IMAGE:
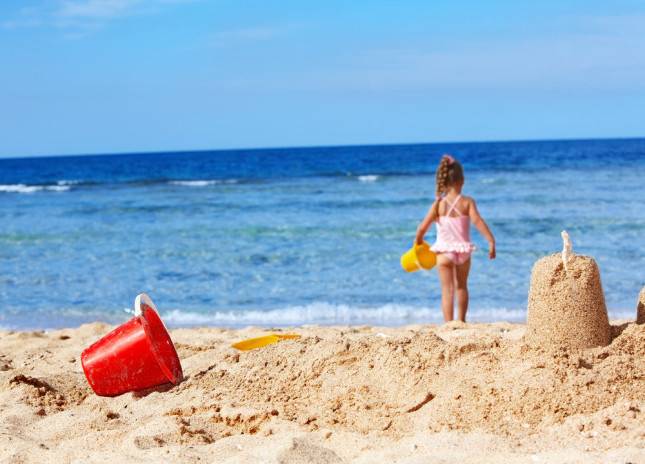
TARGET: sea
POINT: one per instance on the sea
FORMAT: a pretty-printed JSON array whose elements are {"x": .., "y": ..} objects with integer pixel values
[{"x": 292, "y": 236}]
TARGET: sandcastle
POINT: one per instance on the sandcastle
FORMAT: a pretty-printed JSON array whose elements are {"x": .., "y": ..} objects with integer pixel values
[
  {"x": 566, "y": 305},
  {"x": 640, "y": 307}
]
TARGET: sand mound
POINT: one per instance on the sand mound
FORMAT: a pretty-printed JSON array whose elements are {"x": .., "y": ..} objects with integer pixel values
[
  {"x": 640, "y": 307},
  {"x": 371, "y": 384},
  {"x": 567, "y": 308}
]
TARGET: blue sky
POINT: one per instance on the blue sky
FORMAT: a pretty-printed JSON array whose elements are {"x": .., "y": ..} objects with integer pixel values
[{"x": 103, "y": 76}]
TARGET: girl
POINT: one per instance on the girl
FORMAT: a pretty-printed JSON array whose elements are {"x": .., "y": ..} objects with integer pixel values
[{"x": 453, "y": 213}]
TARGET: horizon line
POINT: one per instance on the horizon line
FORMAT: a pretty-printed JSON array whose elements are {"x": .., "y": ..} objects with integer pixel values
[{"x": 305, "y": 147}]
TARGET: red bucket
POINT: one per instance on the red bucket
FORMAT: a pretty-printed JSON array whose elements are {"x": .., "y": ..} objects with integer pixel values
[{"x": 136, "y": 355}]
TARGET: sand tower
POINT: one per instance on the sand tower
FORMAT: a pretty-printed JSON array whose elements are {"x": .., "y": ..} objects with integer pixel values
[
  {"x": 566, "y": 304},
  {"x": 640, "y": 308}
]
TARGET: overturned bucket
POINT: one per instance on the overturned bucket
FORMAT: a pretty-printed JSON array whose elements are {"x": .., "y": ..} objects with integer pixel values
[{"x": 137, "y": 355}]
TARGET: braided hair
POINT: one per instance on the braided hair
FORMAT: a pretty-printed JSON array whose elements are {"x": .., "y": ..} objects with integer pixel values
[{"x": 449, "y": 172}]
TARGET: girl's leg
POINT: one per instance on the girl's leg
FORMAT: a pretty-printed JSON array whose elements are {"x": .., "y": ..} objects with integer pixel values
[
  {"x": 446, "y": 270},
  {"x": 461, "y": 280}
]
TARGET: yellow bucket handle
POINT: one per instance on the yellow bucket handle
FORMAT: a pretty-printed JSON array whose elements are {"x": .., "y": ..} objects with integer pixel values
[{"x": 415, "y": 245}]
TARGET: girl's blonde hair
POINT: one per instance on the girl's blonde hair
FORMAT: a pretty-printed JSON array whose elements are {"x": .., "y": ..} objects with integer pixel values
[{"x": 449, "y": 173}]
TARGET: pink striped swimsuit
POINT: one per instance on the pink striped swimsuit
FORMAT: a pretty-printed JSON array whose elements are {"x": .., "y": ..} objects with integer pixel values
[{"x": 453, "y": 235}]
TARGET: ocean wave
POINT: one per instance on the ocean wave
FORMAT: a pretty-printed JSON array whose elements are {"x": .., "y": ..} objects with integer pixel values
[
  {"x": 330, "y": 314},
  {"x": 368, "y": 178},
  {"x": 389, "y": 315},
  {"x": 63, "y": 185},
  {"x": 23, "y": 188},
  {"x": 202, "y": 183}
]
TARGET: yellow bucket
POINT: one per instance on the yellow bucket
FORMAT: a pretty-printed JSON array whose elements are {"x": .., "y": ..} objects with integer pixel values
[{"x": 418, "y": 257}]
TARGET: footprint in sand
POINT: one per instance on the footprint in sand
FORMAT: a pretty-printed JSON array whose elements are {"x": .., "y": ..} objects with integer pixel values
[{"x": 304, "y": 452}]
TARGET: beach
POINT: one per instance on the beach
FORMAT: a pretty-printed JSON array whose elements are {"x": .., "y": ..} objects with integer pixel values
[
  {"x": 233, "y": 245},
  {"x": 322, "y": 233},
  {"x": 456, "y": 392}
]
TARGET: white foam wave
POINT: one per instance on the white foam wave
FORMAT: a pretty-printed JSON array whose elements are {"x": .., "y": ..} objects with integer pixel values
[
  {"x": 202, "y": 183},
  {"x": 68, "y": 182},
  {"x": 316, "y": 313},
  {"x": 368, "y": 178},
  {"x": 19, "y": 188},
  {"x": 329, "y": 314},
  {"x": 23, "y": 188}
]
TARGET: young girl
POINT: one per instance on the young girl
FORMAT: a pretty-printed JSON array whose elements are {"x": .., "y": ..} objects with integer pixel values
[{"x": 453, "y": 213}]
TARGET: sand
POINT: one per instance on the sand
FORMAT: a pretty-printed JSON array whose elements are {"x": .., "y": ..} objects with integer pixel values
[
  {"x": 566, "y": 307},
  {"x": 468, "y": 393}
]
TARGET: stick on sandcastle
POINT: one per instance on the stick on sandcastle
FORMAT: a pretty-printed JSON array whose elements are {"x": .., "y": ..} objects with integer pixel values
[
  {"x": 640, "y": 307},
  {"x": 566, "y": 304}
]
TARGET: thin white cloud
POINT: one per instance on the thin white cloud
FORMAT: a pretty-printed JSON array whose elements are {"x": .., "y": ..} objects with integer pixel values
[
  {"x": 617, "y": 23},
  {"x": 21, "y": 23},
  {"x": 234, "y": 37},
  {"x": 95, "y": 9},
  {"x": 251, "y": 33},
  {"x": 26, "y": 17},
  {"x": 602, "y": 53},
  {"x": 80, "y": 16},
  {"x": 595, "y": 55}
]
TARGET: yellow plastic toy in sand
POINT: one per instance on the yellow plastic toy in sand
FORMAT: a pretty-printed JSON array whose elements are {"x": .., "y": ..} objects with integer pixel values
[
  {"x": 418, "y": 257},
  {"x": 259, "y": 342}
]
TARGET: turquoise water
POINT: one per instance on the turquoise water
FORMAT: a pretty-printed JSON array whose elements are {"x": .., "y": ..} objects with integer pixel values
[{"x": 294, "y": 236}]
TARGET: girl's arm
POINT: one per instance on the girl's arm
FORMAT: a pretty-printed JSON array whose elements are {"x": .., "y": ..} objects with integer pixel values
[
  {"x": 425, "y": 224},
  {"x": 482, "y": 227}
]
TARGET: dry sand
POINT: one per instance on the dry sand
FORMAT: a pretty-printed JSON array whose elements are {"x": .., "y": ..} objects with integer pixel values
[{"x": 420, "y": 394}]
